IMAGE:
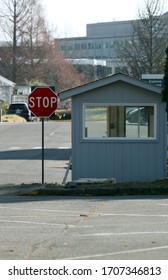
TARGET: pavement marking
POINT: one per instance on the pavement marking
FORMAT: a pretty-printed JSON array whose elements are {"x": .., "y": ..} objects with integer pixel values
[
  {"x": 163, "y": 204},
  {"x": 44, "y": 224},
  {"x": 41, "y": 210},
  {"x": 63, "y": 148},
  {"x": 14, "y": 148},
  {"x": 123, "y": 233},
  {"x": 133, "y": 215},
  {"x": 16, "y": 227},
  {"x": 37, "y": 148},
  {"x": 91, "y": 212},
  {"x": 22, "y": 148},
  {"x": 53, "y": 132},
  {"x": 119, "y": 253}
]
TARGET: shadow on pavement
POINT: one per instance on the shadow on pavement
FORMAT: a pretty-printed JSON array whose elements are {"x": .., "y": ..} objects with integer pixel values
[{"x": 35, "y": 154}]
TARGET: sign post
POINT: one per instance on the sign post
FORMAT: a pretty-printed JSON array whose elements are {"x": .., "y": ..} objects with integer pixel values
[
  {"x": 42, "y": 102},
  {"x": 42, "y": 154}
]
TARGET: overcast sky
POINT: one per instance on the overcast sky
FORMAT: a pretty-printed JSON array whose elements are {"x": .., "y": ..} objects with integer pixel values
[{"x": 71, "y": 16}]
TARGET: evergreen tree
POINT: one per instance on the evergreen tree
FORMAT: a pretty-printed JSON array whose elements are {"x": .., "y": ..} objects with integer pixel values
[{"x": 165, "y": 80}]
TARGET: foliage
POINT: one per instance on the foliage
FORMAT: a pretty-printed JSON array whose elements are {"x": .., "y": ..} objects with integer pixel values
[
  {"x": 3, "y": 107},
  {"x": 35, "y": 82},
  {"x": 165, "y": 79},
  {"x": 144, "y": 51},
  {"x": 12, "y": 118},
  {"x": 30, "y": 52}
]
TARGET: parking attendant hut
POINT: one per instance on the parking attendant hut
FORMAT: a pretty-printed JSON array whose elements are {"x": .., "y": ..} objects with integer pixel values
[{"x": 118, "y": 130}]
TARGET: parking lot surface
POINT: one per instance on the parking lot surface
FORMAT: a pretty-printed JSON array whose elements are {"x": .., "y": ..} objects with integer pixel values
[
  {"x": 21, "y": 153},
  {"x": 78, "y": 228}
]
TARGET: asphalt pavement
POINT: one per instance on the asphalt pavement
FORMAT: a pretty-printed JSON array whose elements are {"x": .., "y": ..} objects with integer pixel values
[
  {"x": 83, "y": 228},
  {"x": 21, "y": 152},
  {"x": 72, "y": 221}
]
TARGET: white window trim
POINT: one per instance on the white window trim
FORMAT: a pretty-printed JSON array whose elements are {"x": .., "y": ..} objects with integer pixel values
[{"x": 121, "y": 139}]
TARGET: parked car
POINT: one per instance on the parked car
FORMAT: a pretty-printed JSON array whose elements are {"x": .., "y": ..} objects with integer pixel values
[
  {"x": 21, "y": 109},
  {"x": 137, "y": 115}
]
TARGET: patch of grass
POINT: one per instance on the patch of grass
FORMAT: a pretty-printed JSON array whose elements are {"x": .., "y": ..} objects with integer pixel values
[{"x": 12, "y": 118}]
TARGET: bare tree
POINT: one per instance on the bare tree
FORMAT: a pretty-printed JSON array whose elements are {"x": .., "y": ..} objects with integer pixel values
[
  {"x": 144, "y": 51},
  {"x": 35, "y": 43},
  {"x": 32, "y": 53},
  {"x": 59, "y": 71},
  {"x": 14, "y": 15}
]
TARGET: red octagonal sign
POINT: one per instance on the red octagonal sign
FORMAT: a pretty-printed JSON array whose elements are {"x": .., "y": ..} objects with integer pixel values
[{"x": 42, "y": 102}]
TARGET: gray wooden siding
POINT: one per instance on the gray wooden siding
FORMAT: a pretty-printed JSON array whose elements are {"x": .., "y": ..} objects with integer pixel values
[{"x": 124, "y": 160}]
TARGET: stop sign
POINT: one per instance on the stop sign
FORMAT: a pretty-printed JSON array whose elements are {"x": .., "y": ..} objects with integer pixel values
[{"x": 42, "y": 102}]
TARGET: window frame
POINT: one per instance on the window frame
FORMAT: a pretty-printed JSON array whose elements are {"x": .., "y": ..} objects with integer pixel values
[{"x": 120, "y": 139}]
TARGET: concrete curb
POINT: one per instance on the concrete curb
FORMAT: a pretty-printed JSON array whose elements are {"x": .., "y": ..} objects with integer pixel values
[{"x": 99, "y": 191}]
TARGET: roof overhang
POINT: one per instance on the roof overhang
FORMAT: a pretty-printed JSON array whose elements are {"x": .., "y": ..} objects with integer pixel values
[
  {"x": 107, "y": 81},
  {"x": 6, "y": 82}
]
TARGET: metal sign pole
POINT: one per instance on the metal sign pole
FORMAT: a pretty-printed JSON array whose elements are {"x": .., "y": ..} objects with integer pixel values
[
  {"x": 42, "y": 151},
  {"x": 42, "y": 102}
]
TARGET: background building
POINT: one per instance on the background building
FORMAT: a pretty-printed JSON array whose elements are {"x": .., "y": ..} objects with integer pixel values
[
  {"x": 101, "y": 43},
  {"x": 6, "y": 89}
]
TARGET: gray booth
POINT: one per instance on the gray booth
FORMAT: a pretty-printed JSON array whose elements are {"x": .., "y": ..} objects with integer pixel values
[{"x": 118, "y": 130}]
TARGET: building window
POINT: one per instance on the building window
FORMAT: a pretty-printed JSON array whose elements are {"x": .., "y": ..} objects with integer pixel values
[
  {"x": 90, "y": 45},
  {"x": 83, "y": 46},
  {"x": 63, "y": 47},
  {"x": 98, "y": 45},
  {"x": 105, "y": 45},
  {"x": 70, "y": 47},
  {"x": 118, "y": 121},
  {"x": 77, "y": 46},
  {"x": 111, "y": 44}
]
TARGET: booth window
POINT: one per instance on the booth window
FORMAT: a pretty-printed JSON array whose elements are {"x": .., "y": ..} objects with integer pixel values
[{"x": 109, "y": 121}]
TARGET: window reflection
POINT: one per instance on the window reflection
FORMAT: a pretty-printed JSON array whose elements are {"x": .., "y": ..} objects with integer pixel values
[{"x": 119, "y": 121}]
